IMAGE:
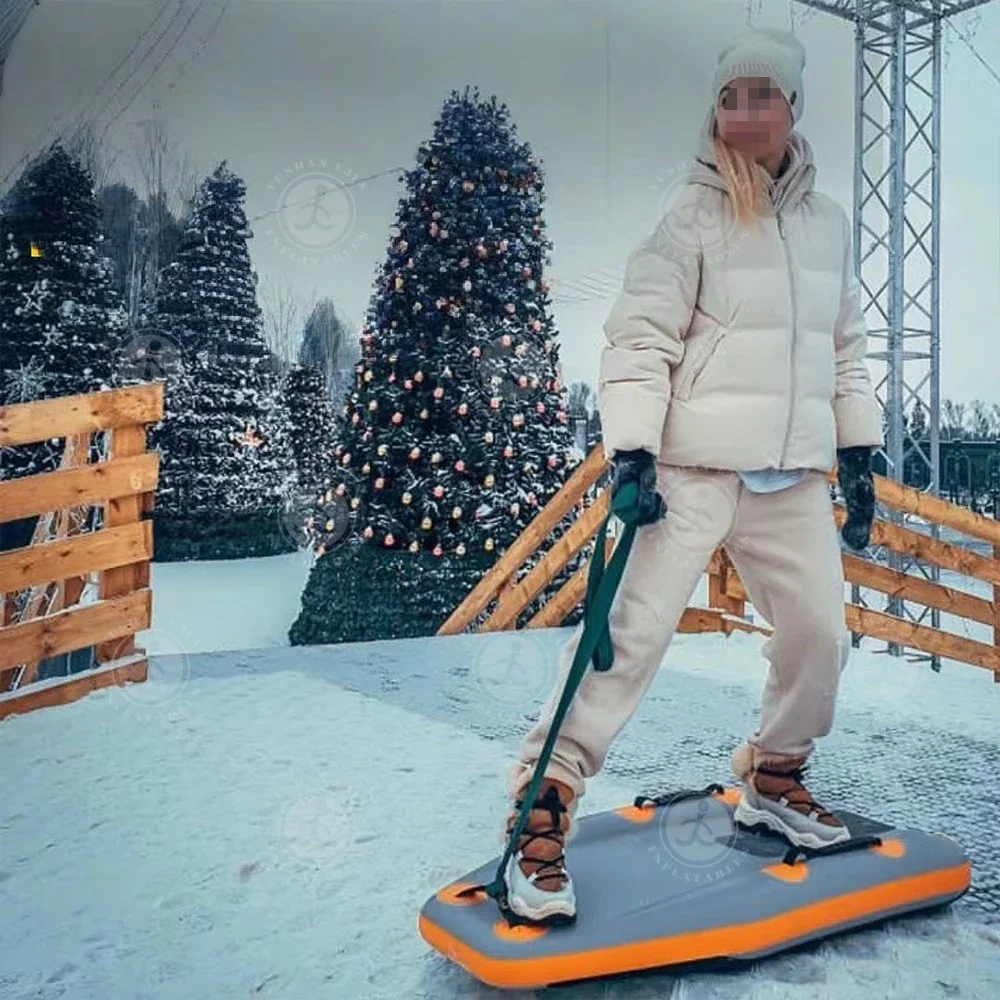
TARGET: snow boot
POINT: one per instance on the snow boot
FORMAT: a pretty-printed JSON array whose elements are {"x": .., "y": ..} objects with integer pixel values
[
  {"x": 539, "y": 888},
  {"x": 774, "y": 795}
]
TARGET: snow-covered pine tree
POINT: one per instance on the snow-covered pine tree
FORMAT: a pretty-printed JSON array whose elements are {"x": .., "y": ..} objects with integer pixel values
[
  {"x": 142, "y": 237},
  {"x": 326, "y": 345},
  {"x": 455, "y": 434},
  {"x": 312, "y": 422},
  {"x": 61, "y": 319},
  {"x": 227, "y": 462}
]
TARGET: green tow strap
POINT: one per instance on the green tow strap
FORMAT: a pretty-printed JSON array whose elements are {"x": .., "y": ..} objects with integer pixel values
[{"x": 595, "y": 644}]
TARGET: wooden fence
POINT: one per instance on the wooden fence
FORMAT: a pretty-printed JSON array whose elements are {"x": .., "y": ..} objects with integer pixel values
[
  {"x": 726, "y": 594},
  {"x": 41, "y": 584}
]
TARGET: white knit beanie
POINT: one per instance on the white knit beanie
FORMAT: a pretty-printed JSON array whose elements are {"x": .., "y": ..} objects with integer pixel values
[{"x": 765, "y": 52}]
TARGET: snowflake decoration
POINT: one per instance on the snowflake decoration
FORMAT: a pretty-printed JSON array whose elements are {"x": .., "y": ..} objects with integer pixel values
[
  {"x": 27, "y": 382},
  {"x": 33, "y": 299}
]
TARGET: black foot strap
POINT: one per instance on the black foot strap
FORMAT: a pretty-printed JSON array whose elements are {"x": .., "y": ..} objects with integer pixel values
[
  {"x": 852, "y": 844},
  {"x": 669, "y": 798}
]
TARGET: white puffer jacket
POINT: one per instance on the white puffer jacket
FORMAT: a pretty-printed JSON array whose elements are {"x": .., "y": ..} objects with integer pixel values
[{"x": 738, "y": 348}]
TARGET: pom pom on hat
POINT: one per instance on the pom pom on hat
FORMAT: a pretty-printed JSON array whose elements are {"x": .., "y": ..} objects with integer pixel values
[{"x": 764, "y": 52}]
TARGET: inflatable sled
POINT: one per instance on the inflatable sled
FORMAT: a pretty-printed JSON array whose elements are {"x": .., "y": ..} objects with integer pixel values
[{"x": 673, "y": 880}]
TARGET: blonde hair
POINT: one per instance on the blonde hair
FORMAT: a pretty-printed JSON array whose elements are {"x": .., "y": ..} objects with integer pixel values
[{"x": 746, "y": 180}]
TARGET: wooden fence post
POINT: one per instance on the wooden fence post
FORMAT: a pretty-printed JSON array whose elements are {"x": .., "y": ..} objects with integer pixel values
[
  {"x": 49, "y": 573},
  {"x": 125, "y": 442},
  {"x": 996, "y": 609},
  {"x": 720, "y": 571}
]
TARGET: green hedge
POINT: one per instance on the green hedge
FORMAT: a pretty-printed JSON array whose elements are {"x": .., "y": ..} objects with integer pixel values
[
  {"x": 219, "y": 535},
  {"x": 361, "y": 592}
]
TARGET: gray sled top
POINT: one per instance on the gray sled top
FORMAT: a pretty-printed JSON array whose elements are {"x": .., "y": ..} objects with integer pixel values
[{"x": 668, "y": 884}]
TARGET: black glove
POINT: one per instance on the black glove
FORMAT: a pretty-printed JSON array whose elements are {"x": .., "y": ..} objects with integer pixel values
[
  {"x": 854, "y": 475},
  {"x": 636, "y": 466}
]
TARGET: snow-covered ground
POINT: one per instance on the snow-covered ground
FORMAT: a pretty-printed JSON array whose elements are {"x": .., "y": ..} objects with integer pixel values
[
  {"x": 267, "y": 822},
  {"x": 203, "y": 607},
  {"x": 198, "y": 609}
]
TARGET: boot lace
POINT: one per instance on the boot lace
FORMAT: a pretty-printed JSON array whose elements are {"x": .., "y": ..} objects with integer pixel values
[
  {"x": 550, "y": 801},
  {"x": 797, "y": 775}
]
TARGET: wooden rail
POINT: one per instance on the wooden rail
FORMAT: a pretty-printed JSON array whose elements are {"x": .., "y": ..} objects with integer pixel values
[
  {"x": 42, "y": 584},
  {"x": 726, "y": 593}
]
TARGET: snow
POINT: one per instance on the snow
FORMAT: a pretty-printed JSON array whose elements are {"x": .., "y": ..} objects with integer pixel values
[
  {"x": 266, "y": 822},
  {"x": 197, "y": 608}
]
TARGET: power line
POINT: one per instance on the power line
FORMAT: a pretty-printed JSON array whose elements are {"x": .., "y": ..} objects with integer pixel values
[
  {"x": 82, "y": 114},
  {"x": 200, "y": 47},
  {"x": 55, "y": 125},
  {"x": 314, "y": 198},
  {"x": 591, "y": 286},
  {"x": 965, "y": 36},
  {"x": 156, "y": 69}
]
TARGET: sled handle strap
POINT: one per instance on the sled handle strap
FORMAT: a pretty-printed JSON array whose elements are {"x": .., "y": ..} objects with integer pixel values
[
  {"x": 594, "y": 644},
  {"x": 604, "y": 654}
]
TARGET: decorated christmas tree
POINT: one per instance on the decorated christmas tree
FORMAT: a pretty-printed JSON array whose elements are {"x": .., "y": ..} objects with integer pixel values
[
  {"x": 226, "y": 459},
  {"x": 455, "y": 434},
  {"x": 60, "y": 317}
]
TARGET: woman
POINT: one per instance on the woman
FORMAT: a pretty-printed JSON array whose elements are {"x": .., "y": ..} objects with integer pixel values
[{"x": 732, "y": 379}]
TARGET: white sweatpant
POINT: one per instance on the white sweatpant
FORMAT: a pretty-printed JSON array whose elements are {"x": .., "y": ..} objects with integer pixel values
[{"x": 786, "y": 550}]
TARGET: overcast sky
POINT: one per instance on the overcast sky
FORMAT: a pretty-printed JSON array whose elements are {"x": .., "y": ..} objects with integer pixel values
[{"x": 609, "y": 93}]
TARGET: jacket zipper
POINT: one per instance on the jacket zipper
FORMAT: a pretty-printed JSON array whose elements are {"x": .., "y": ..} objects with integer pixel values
[{"x": 791, "y": 349}]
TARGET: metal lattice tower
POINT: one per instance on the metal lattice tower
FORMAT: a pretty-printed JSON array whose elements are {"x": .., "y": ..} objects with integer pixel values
[{"x": 897, "y": 165}]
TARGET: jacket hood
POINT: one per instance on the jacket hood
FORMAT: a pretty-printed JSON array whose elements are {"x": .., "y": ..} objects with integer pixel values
[{"x": 786, "y": 191}]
